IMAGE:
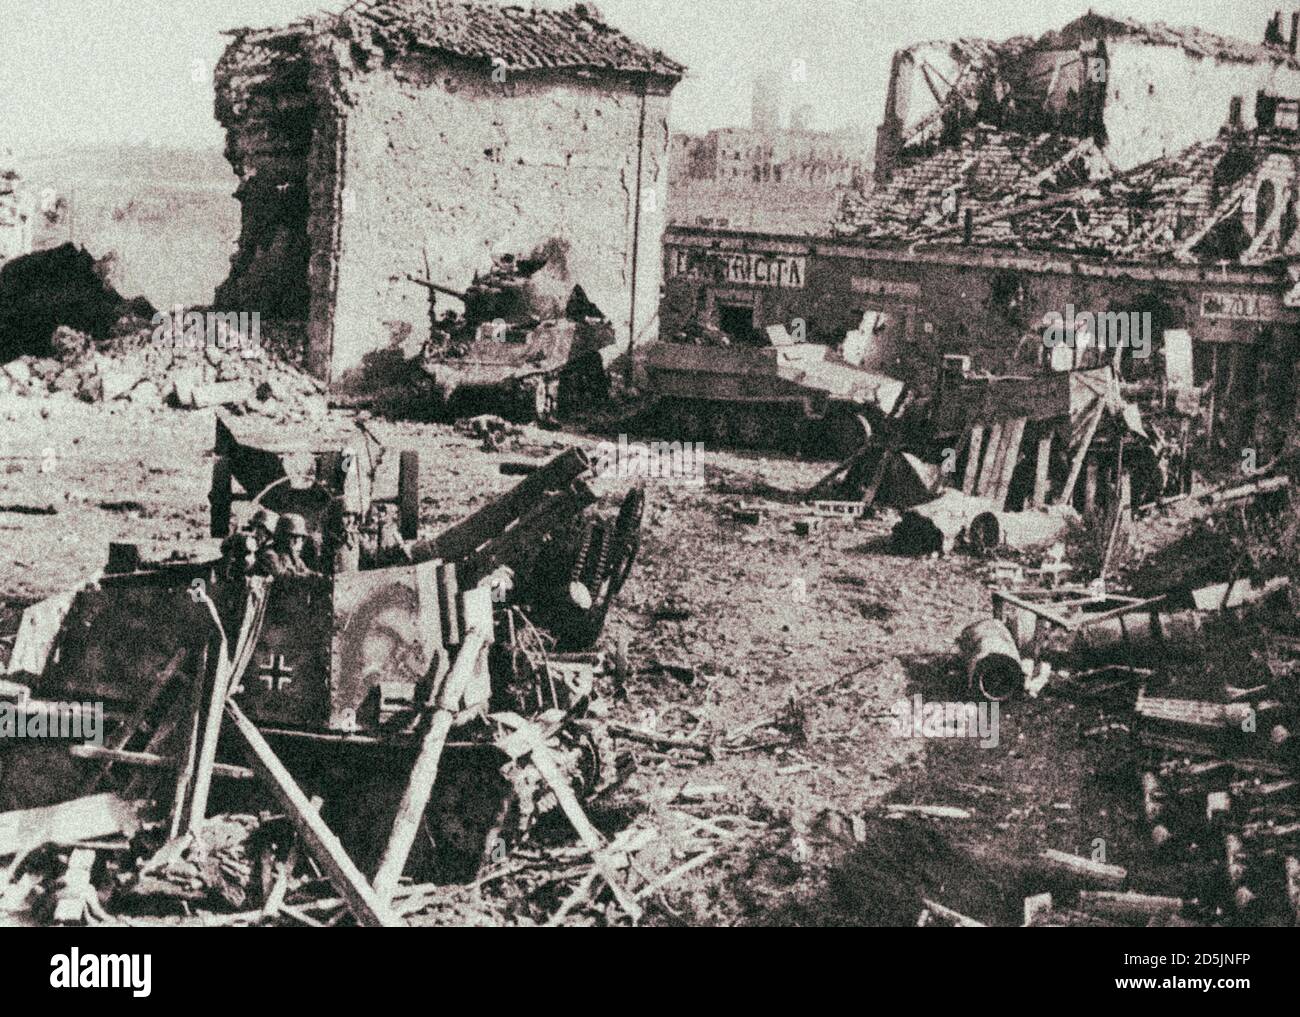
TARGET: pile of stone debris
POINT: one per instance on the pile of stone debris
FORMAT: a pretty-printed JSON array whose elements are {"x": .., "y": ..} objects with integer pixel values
[{"x": 157, "y": 365}]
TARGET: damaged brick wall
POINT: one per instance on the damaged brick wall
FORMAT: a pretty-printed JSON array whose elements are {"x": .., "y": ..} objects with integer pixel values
[
  {"x": 269, "y": 114},
  {"x": 1160, "y": 99},
  {"x": 438, "y": 157},
  {"x": 357, "y": 158},
  {"x": 1163, "y": 89}
]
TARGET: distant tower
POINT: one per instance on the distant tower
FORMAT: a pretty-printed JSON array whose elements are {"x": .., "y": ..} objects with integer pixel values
[
  {"x": 801, "y": 117},
  {"x": 771, "y": 99}
]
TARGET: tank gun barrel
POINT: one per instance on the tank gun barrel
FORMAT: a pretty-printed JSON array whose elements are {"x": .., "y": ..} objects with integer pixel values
[{"x": 429, "y": 284}]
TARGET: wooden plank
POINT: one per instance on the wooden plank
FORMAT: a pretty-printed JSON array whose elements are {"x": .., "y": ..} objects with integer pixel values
[
  {"x": 877, "y": 477},
  {"x": 973, "y": 459},
  {"x": 190, "y": 754},
  {"x": 1090, "y": 471},
  {"x": 86, "y": 818},
  {"x": 1041, "y": 478},
  {"x": 320, "y": 840},
  {"x": 1067, "y": 492},
  {"x": 73, "y": 896},
  {"x": 470, "y": 660},
  {"x": 1083, "y": 871},
  {"x": 223, "y": 680},
  {"x": 992, "y": 462},
  {"x": 1012, "y": 436},
  {"x": 152, "y": 761}
]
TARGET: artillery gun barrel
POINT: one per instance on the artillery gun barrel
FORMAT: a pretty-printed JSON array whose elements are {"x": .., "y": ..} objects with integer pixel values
[{"x": 429, "y": 284}]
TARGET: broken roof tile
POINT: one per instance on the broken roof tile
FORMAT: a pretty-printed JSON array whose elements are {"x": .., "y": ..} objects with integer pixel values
[
  {"x": 1187, "y": 207},
  {"x": 515, "y": 37}
]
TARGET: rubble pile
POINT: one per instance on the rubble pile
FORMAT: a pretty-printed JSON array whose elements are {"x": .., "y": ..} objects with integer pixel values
[
  {"x": 1195, "y": 681},
  {"x": 149, "y": 367}
]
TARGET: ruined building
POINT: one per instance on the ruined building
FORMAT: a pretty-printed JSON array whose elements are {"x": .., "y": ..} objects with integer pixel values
[
  {"x": 1140, "y": 90},
  {"x": 410, "y": 133}
]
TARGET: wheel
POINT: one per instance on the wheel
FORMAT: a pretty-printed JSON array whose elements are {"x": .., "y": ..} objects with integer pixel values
[
  {"x": 408, "y": 494},
  {"x": 219, "y": 498},
  {"x": 842, "y": 433}
]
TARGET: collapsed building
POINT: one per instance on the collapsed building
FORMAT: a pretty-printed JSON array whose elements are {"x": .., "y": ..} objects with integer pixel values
[
  {"x": 1120, "y": 81},
  {"x": 406, "y": 136},
  {"x": 975, "y": 239}
]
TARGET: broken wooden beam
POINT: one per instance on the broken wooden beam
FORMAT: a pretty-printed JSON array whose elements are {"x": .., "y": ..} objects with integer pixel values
[
  {"x": 470, "y": 660},
  {"x": 1083, "y": 871},
  {"x": 151, "y": 760},
  {"x": 366, "y": 905},
  {"x": 1200, "y": 714},
  {"x": 86, "y": 818},
  {"x": 74, "y": 893},
  {"x": 949, "y": 915},
  {"x": 1128, "y": 905}
]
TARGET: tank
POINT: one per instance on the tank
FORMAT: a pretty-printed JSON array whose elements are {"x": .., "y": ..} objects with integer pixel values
[
  {"x": 797, "y": 397},
  {"x": 517, "y": 350}
]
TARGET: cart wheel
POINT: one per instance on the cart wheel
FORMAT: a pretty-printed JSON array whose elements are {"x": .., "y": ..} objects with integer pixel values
[
  {"x": 843, "y": 433},
  {"x": 408, "y": 494},
  {"x": 219, "y": 498}
]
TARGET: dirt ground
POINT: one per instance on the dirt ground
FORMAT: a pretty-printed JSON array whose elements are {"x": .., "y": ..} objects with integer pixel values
[{"x": 821, "y": 634}]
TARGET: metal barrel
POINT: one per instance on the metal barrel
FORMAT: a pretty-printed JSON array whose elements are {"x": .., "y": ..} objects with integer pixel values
[{"x": 992, "y": 659}]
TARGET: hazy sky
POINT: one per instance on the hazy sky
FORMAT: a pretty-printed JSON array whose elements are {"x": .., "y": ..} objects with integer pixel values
[{"x": 111, "y": 71}]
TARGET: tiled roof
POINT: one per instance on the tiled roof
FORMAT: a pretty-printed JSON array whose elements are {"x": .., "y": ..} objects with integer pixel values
[
  {"x": 1191, "y": 206},
  {"x": 989, "y": 170},
  {"x": 515, "y": 37}
]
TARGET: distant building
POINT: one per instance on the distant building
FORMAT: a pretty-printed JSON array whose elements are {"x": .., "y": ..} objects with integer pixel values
[
  {"x": 769, "y": 110},
  {"x": 746, "y": 155},
  {"x": 966, "y": 253},
  {"x": 406, "y": 132}
]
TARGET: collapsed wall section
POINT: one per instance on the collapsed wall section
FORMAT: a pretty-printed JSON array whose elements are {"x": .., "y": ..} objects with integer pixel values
[{"x": 265, "y": 104}]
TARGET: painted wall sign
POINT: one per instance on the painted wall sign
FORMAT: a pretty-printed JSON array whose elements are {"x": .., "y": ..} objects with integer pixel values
[
  {"x": 739, "y": 269},
  {"x": 886, "y": 287},
  {"x": 1241, "y": 306}
]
